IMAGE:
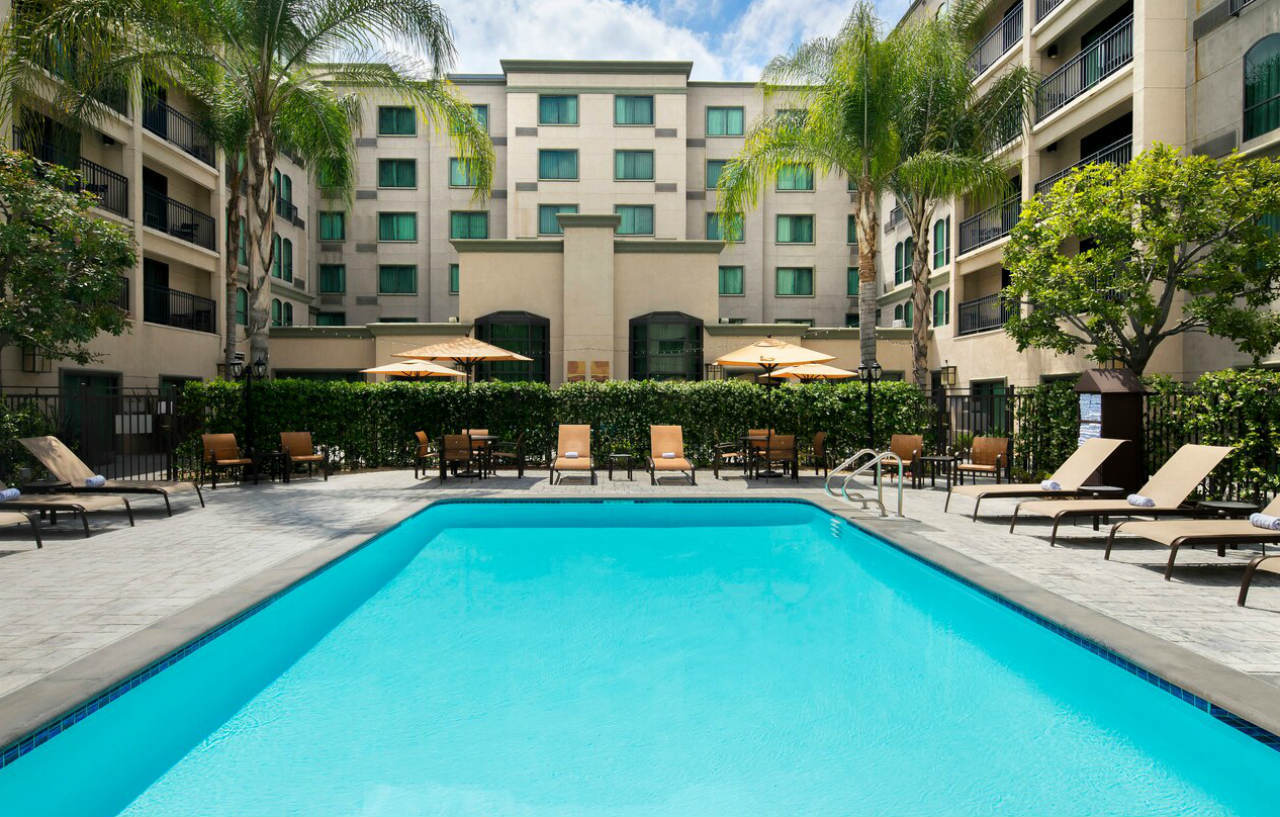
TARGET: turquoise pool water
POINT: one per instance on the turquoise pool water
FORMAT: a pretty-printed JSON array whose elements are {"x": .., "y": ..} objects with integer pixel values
[{"x": 640, "y": 658}]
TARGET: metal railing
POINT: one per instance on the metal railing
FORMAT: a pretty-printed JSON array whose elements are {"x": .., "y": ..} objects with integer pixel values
[
  {"x": 122, "y": 300},
  {"x": 179, "y": 220},
  {"x": 174, "y": 126},
  {"x": 111, "y": 188},
  {"x": 982, "y": 314},
  {"x": 286, "y": 210},
  {"x": 997, "y": 42},
  {"x": 895, "y": 218},
  {"x": 1043, "y": 7},
  {"x": 1234, "y": 6},
  {"x": 991, "y": 224},
  {"x": 173, "y": 307},
  {"x": 1103, "y": 58},
  {"x": 1118, "y": 152}
]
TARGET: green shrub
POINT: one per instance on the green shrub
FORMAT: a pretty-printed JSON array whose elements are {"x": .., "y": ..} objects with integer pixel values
[{"x": 16, "y": 422}]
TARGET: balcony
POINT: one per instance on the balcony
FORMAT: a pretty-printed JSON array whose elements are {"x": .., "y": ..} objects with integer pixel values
[
  {"x": 895, "y": 218},
  {"x": 122, "y": 300},
  {"x": 1118, "y": 152},
  {"x": 173, "y": 307},
  {"x": 982, "y": 314},
  {"x": 1043, "y": 7},
  {"x": 179, "y": 220},
  {"x": 287, "y": 210},
  {"x": 176, "y": 127},
  {"x": 1108, "y": 54},
  {"x": 1234, "y": 6},
  {"x": 991, "y": 224},
  {"x": 111, "y": 188},
  {"x": 997, "y": 42}
]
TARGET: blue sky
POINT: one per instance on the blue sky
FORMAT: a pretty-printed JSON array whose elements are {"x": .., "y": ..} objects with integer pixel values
[{"x": 725, "y": 39}]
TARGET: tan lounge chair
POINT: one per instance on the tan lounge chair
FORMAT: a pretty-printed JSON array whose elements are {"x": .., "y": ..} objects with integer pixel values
[
  {"x": 64, "y": 465},
  {"x": 1178, "y": 532},
  {"x": 573, "y": 439},
  {"x": 1269, "y": 563},
  {"x": 298, "y": 448},
  {"x": 222, "y": 453},
  {"x": 20, "y": 518},
  {"x": 1081, "y": 465},
  {"x": 82, "y": 504},
  {"x": 669, "y": 440},
  {"x": 988, "y": 456},
  {"x": 1169, "y": 487}
]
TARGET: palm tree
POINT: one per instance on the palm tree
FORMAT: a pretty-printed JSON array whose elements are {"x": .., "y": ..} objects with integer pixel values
[
  {"x": 262, "y": 69},
  {"x": 850, "y": 89}
]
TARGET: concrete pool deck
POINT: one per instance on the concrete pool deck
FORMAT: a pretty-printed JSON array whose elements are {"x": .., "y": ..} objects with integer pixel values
[{"x": 80, "y": 614}]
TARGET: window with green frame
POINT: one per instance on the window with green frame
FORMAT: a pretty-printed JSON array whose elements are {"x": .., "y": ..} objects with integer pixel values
[
  {"x": 397, "y": 173},
  {"x": 558, "y": 165},
  {"x": 632, "y": 110},
  {"x": 942, "y": 242},
  {"x": 286, "y": 260},
  {"x": 242, "y": 240},
  {"x": 724, "y": 121},
  {"x": 469, "y": 224},
  {"x": 557, "y": 109},
  {"x": 396, "y": 120},
  {"x": 902, "y": 253},
  {"x": 942, "y": 307},
  {"x": 482, "y": 113},
  {"x": 732, "y": 281},
  {"x": 714, "y": 233},
  {"x": 1262, "y": 87},
  {"x": 287, "y": 315},
  {"x": 331, "y": 319},
  {"x": 275, "y": 256},
  {"x": 795, "y": 230},
  {"x": 333, "y": 225},
  {"x": 852, "y": 228},
  {"x": 548, "y": 224},
  {"x": 666, "y": 346},
  {"x": 242, "y": 306},
  {"x": 851, "y": 320},
  {"x": 461, "y": 173},
  {"x": 714, "y": 168},
  {"x": 397, "y": 279},
  {"x": 277, "y": 312},
  {"x": 332, "y": 279},
  {"x": 397, "y": 226},
  {"x": 631, "y": 165},
  {"x": 794, "y": 281},
  {"x": 852, "y": 286},
  {"x": 795, "y": 177},
  {"x": 904, "y": 312},
  {"x": 453, "y": 279},
  {"x": 637, "y": 219}
]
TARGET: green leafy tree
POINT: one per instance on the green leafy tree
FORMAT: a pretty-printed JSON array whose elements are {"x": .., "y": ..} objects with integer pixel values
[
  {"x": 60, "y": 265},
  {"x": 1115, "y": 259}
]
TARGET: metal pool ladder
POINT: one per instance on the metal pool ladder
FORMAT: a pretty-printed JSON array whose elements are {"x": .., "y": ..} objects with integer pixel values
[{"x": 850, "y": 469}]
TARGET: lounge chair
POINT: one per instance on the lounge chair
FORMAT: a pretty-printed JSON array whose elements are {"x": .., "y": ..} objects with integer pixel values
[
  {"x": 298, "y": 449},
  {"x": 81, "y": 504},
  {"x": 457, "y": 449},
  {"x": 510, "y": 453},
  {"x": 20, "y": 518},
  {"x": 424, "y": 454},
  {"x": 666, "y": 454},
  {"x": 64, "y": 465},
  {"x": 222, "y": 453},
  {"x": 988, "y": 456},
  {"x": 1269, "y": 563},
  {"x": 1070, "y": 476},
  {"x": 1218, "y": 532},
  {"x": 1169, "y": 488},
  {"x": 908, "y": 448},
  {"x": 573, "y": 453}
]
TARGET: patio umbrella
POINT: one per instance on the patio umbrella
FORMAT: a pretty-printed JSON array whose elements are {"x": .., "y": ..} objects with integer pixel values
[
  {"x": 808, "y": 372},
  {"x": 465, "y": 352},
  {"x": 415, "y": 368}
]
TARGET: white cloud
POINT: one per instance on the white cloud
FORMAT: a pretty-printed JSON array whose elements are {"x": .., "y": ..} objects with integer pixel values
[{"x": 771, "y": 27}]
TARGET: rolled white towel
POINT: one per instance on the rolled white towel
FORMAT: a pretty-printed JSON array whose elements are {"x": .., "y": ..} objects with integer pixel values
[
  {"x": 571, "y": 455},
  {"x": 9, "y": 493},
  {"x": 1050, "y": 485},
  {"x": 1265, "y": 521},
  {"x": 1140, "y": 501},
  {"x": 668, "y": 455},
  {"x": 95, "y": 481}
]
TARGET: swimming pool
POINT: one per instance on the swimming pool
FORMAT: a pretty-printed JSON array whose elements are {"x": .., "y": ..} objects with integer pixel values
[{"x": 640, "y": 658}]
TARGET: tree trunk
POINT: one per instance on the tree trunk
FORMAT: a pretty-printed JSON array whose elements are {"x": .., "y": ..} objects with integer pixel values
[
  {"x": 868, "y": 216},
  {"x": 232, "y": 264},
  {"x": 920, "y": 297},
  {"x": 261, "y": 216}
]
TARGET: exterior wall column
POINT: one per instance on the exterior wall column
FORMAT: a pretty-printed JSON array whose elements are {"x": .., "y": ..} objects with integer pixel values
[
  {"x": 1159, "y": 73},
  {"x": 588, "y": 291}
]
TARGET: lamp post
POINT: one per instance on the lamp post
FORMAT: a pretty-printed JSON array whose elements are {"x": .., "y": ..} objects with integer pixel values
[
  {"x": 870, "y": 374},
  {"x": 946, "y": 380},
  {"x": 248, "y": 374}
]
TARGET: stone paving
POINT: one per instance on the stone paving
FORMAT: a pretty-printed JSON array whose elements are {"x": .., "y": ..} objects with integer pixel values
[{"x": 78, "y": 595}]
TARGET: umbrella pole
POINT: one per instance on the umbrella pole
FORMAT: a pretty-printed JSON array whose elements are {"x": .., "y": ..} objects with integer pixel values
[{"x": 768, "y": 472}]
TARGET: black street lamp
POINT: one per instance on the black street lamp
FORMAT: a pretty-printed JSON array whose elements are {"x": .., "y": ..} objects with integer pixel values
[
  {"x": 870, "y": 374},
  {"x": 239, "y": 371}
]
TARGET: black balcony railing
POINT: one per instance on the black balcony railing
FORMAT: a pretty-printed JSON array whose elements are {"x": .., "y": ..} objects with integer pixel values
[
  {"x": 1101, "y": 59},
  {"x": 1118, "y": 152},
  {"x": 286, "y": 210},
  {"x": 162, "y": 213},
  {"x": 122, "y": 300},
  {"x": 173, "y": 307},
  {"x": 1043, "y": 7},
  {"x": 895, "y": 218},
  {"x": 997, "y": 42},
  {"x": 111, "y": 188},
  {"x": 991, "y": 224},
  {"x": 982, "y": 314},
  {"x": 174, "y": 126},
  {"x": 1234, "y": 6}
]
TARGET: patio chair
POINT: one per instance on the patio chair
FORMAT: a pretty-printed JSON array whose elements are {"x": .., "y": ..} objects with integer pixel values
[
  {"x": 62, "y": 463},
  {"x": 1070, "y": 476},
  {"x": 1175, "y": 533},
  {"x": 79, "y": 504},
  {"x": 222, "y": 453},
  {"x": 508, "y": 453},
  {"x": 573, "y": 453},
  {"x": 666, "y": 454},
  {"x": 457, "y": 449},
  {"x": 988, "y": 456},
  {"x": 1168, "y": 488},
  {"x": 729, "y": 455},
  {"x": 20, "y": 518},
  {"x": 298, "y": 449},
  {"x": 908, "y": 448},
  {"x": 423, "y": 454},
  {"x": 819, "y": 456},
  {"x": 782, "y": 449}
]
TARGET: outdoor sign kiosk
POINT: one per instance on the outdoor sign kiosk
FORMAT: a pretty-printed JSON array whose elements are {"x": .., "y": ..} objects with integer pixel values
[{"x": 1111, "y": 406}]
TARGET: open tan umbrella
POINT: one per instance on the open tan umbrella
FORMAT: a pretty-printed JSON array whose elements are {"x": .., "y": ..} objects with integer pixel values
[
  {"x": 415, "y": 368},
  {"x": 807, "y": 372},
  {"x": 465, "y": 352}
]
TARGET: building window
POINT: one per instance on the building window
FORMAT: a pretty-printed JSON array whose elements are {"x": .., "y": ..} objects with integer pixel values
[
  {"x": 482, "y": 114},
  {"x": 852, "y": 227},
  {"x": 333, "y": 279},
  {"x": 632, "y": 110},
  {"x": 1262, "y": 87},
  {"x": 794, "y": 281},
  {"x": 469, "y": 224},
  {"x": 396, "y": 121},
  {"x": 286, "y": 259},
  {"x": 731, "y": 281},
  {"x": 397, "y": 226},
  {"x": 333, "y": 225},
  {"x": 453, "y": 278},
  {"x": 277, "y": 312},
  {"x": 275, "y": 256},
  {"x": 714, "y": 168},
  {"x": 853, "y": 285},
  {"x": 284, "y": 191},
  {"x": 795, "y": 177},
  {"x": 795, "y": 230},
  {"x": 724, "y": 121},
  {"x": 851, "y": 320},
  {"x": 523, "y": 333},
  {"x": 942, "y": 242},
  {"x": 242, "y": 306},
  {"x": 331, "y": 319},
  {"x": 557, "y": 110},
  {"x": 397, "y": 173},
  {"x": 902, "y": 253},
  {"x": 397, "y": 279},
  {"x": 942, "y": 307},
  {"x": 548, "y": 224},
  {"x": 801, "y": 321},
  {"x": 558, "y": 165},
  {"x": 287, "y": 314},
  {"x": 904, "y": 312},
  {"x": 632, "y": 165},
  {"x": 714, "y": 233},
  {"x": 637, "y": 219},
  {"x": 461, "y": 173},
  {"x": 666, "y": 346}
]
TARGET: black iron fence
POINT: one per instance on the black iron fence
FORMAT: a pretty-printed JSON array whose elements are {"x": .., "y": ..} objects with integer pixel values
[
  {"x": 176, "y": 127},
  {"x": 997, "y": 42},
  {"x": 1118, "y": 152},
  {"x": 173, "y": 307},
  {"x": 1043, "y": 7},
  {"x": 111, "y": 188},
  {"x": 1099, "y": 60},
  {"x": 177, "y": 219},
  {"x": 991, "y": 224}
]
